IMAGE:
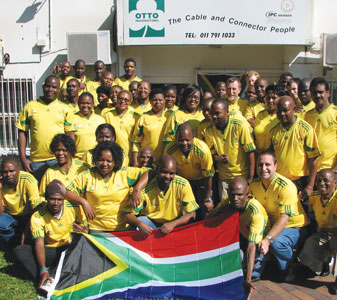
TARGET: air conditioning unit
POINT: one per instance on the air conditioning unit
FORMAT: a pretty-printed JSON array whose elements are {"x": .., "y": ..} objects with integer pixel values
[
  {"x": 330, "y": 50},
  {"x": 89, "y": 46}
]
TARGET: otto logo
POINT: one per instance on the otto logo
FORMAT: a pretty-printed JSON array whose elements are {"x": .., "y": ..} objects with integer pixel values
[
  {"x": 146, "y": 18},
  {"x": 271, "y": 14}
]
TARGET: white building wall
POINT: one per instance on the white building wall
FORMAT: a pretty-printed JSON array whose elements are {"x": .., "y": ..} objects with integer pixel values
[{"x": 22, "y": 26}]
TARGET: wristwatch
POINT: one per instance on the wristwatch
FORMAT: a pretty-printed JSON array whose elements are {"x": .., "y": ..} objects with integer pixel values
[{"x": 270, "y": 238}]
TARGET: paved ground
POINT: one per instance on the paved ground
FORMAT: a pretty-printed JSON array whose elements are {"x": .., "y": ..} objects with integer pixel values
[{"x": 303, "y": 288}]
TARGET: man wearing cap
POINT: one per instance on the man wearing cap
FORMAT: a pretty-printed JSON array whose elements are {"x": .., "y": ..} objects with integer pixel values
[{"x": 51, "y": 228}]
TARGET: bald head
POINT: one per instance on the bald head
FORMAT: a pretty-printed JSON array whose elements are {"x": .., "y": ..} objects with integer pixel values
[
  {"x": 185, "y": 138},
  {"x": 326, "y": 183},
  {"x": 10, "y": 172},
  {"x": 286, "y": 101},
  {"x": 285, "y": 110},
  {"x": 167, "y": 161},
  {"x": 238, "y": 181},
  {"x": 185, "y": 128},
  {"x": 145, "y": 157},
  {"x": 166, "y": 172}
]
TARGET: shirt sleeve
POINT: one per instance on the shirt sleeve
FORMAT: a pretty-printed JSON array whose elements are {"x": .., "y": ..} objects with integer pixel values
[
  {"x": 256, "y": 228},
  {"x": 207, "y": 164},
  {"x": 188, "y": 202},
  {"x": 81, "y": 219},
  {"x": 37, "y": 226},
  {"x": 138, "y": 135},
  {"x": 32, "y": 190},
  {"x": 79, "y": 185},
  {"x": 288, "y": 200},
  {"x": 246, "y": 139},
  {"x": 170, "y": 129},
  {"x": 23, "y": 122},
  {"x": 69, "y": 120},
  {"x": 311, "y": 144}
]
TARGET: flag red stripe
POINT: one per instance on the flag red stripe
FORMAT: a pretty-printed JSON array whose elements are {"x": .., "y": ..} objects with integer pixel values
[{"x": 199, "y": 237}]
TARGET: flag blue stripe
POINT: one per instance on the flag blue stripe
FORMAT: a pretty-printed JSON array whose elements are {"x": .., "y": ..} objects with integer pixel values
[{"x": 231, "y": 290}]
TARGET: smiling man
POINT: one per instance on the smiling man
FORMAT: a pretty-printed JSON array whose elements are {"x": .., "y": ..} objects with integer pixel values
[
  {"x": 194, "y": 162},
  {"x": 323, "y": 118},
  {"x": 321, "y": 245},
  {"x": 44, "y": 118},
  {"x": 166, "y": 202},
  {"x": 129, "y": 76},
  {"x": 296, "y": 147},
  {"x": 19, "y": 196},
  {"x": 278, "y": 195}
]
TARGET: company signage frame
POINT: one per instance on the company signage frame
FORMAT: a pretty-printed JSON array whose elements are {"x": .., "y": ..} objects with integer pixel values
[{"x": 214, "y": 22}]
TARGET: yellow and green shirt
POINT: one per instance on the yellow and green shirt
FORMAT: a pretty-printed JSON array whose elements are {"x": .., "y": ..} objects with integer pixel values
[
  {"x": 124, "y": 125},
  {"x": 24, "y": 198},
  {"x": 235, "y": 141},
  {"x": 141, "y": 109},
  {"x": 279, "y": 197},
  {"x": 293, "y": 147},
  {"x": 202, "y": 129},
  {"x": 253, "y": 220},
  {"x": 305, "y": 109},
  {"x": 325, "y": 211},
  {"x": 56, "y": 232},
  {"x": 44, "y": 121},
  {"x": 325, "y": 126},
  {"x": 264, "y": 122},
  {"x": 85, "y": 128},
  {"x": 106, "y": 197},
  {"x": 149, "y": 132},
  {"x": 237, "y": 106},
  {"x": 56, "y": 172},
  {"x": 179, "y": 117},
  {"x": 253, "y": 108},
  {"x": 165, "y": 207},
  {"x": 197, "y": 164},
  {"x": 124, "y": 83}
]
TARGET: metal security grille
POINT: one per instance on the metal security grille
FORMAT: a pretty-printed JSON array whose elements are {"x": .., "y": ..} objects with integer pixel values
[{"x": 14, "y": 93}]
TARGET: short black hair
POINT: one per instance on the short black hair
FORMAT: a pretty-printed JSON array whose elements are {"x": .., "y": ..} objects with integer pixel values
[
  {"x": 222, "y": 101},
  {"x": 319, "y": 80},
  {"x": 86, "y": 94},
  {"x": 103, "y": 89},
  {"x": 67, "y": 142},
  {"x": 106, "y": 126},
  {"x": 267, "y": 152},
  {"x": 116, "y": 152},
  {"x": 276, "y": 89},
  {"x": 129, "y": 60},
  {"x": 168, "y": 87},
  {"x": 155, "y": 92},
  {"x": 189, "y": 90}
]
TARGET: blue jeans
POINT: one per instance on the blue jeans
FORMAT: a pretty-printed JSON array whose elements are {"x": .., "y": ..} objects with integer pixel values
[
  {"x": 7, "y": 226},
  {"x": 147, "y": 221},
  {"x": 282, "y": 249},
  {"x": 39, "y": 167}
]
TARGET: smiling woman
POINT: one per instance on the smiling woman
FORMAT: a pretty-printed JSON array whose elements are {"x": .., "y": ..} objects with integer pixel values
[{"x": 103, "y": 190}]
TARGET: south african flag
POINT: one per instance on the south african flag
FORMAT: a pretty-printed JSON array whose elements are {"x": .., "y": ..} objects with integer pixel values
[{"x": 198, "y": 261}]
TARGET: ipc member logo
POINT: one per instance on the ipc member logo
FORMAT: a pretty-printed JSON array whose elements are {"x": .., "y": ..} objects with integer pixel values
[{"x": 146, "y": 18}]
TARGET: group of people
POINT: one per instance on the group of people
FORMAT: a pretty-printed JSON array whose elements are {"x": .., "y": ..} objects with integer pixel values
[{"x": 113, "y": 154}]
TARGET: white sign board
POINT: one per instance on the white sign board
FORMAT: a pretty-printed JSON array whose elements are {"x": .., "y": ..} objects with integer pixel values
[{"x": 200, "y": 22}]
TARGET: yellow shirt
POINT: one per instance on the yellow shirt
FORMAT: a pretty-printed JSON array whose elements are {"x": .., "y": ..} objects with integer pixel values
[
  {"x": 102, "y": 112},
  {"x": 124, "y": 83},
  {"x": 87, "y": 158},
  {"x": 238, "y": 106},
  {"x": 253, "y": 220},
  {"x": 107, "y": 198},
  {"x": 235, "y": 141},
  {"x": 72, "y": 107},
  {"x": 123, "y": 125},
  {"x": 85, "y": 128},
  {"x": 56, "y": 232},
  {"x": 92, "y": 86},
  {"x": 56, "y": 172},
  {"x": 24, "y": 198},
  {"x": 253, "y": 108},
  {"x": 179, "y": 117},
  {"x": 197, "y": 164},
  {"x": 305, "y": 109},
  {"x": 293, "y": 147},
  {"x": 165, "y": 207},
  {"x": 202, "y": 129},
  {"x": 63, "y": 85},
  {"x": 44, "y": 121},
  {"x": 85, "y": 80},
  {"x": 280, "y": 197},
  {"x": 325, "y": 211},
  {"x": 264, "y": 122},
  {"x": 325, "y": 126},
  {"x": 175, "y": 108},
  {"x": 141, "y": 109},
  {"x": 149, "y": 132}
]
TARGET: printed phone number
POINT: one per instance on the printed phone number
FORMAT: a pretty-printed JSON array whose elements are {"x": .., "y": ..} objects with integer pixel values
[{"x": 217, "y": 35}]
